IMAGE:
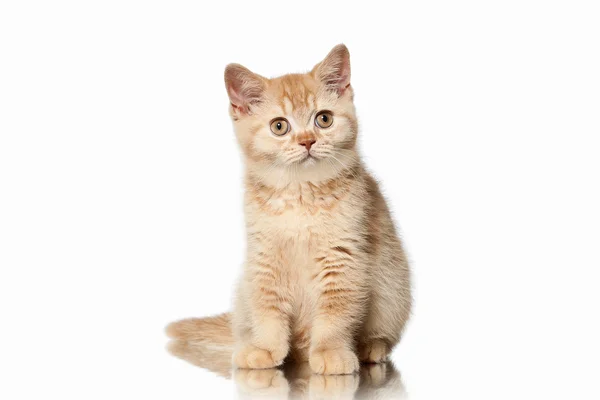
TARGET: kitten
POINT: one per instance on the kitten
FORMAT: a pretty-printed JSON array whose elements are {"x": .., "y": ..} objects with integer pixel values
[{"x": 326, "y": 279}]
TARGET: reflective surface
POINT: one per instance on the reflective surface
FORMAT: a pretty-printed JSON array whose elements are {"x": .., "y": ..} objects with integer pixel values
[{"x": 294, "y": 381}]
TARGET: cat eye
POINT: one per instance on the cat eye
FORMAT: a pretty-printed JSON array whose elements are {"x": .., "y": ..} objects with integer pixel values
[
  {"x": 324, "y": 119},
  {"x": 280, "y": 126}
]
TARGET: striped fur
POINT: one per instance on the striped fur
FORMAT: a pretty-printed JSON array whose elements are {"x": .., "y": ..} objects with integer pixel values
[{"x": 326, "y": 279}]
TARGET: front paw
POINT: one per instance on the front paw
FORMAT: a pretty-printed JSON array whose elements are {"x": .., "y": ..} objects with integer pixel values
[
  {"x": 333, "y": 362},
  {"x": 249, "y": 356}
]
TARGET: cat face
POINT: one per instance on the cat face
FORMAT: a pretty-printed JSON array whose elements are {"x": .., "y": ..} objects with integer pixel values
[{"x": 297, "y": 126}]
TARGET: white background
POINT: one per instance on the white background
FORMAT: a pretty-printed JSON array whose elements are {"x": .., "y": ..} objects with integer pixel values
[{"x": 120, "y": 185}]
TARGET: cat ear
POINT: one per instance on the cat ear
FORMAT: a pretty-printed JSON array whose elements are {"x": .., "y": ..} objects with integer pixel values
[
  {"x": 334, "y": 70},
  {"x": 244, "y": 87}
]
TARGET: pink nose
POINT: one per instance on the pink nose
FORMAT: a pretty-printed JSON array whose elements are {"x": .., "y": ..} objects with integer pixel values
[{"x": 307, "y": 143}]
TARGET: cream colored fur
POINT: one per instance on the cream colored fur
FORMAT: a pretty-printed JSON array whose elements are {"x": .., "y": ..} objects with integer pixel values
[{"x": 326, "y": 279}]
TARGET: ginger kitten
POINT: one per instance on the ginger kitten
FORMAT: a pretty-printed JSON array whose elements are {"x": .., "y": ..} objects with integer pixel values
[{"x": 326, "y": 279}]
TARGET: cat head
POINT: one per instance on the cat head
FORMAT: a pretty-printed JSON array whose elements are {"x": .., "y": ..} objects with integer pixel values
[{"x": 295, "y": 127}]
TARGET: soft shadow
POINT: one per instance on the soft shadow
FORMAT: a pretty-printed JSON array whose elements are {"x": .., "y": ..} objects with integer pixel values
[{"x": 293, "y": 381}]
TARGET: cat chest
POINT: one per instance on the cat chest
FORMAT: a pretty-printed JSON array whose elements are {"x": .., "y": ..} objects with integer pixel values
[
  {"x": 300, "y": 228},
  {"x": 301, "y": 239},
  {"x": 301, "y": 233}
]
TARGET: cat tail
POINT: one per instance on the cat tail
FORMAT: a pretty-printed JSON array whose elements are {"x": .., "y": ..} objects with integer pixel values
[
  {"x": 204, "y": 342},
  {"x": 213, "y": 331}
]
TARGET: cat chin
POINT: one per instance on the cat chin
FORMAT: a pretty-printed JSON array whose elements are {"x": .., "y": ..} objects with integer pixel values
[{"x": 308, "y": 162}]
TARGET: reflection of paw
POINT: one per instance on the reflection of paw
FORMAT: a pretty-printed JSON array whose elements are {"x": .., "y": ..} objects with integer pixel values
[
  {"x": 375, "y": 351},
  {"x": 249, "y": 356},
  {"x": 333, "y": 362},
  {"x": 374, "y": 374},
  {"x": 336, "y": 386},
  {"x": 264, "y": 382}
]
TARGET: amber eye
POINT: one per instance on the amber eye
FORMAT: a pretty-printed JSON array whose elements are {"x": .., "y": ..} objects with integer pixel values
[
  {"x": 324, "y": 119},
  {"x": 280, "y": 126}
]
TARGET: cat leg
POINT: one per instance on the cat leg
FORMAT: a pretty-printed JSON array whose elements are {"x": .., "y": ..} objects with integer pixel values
[
  {"x": 377, "y": 338},
  {"x": 264, "y": 302},
  {"x": 340, "y": 306},
  {"x": 381, "y": 332},
  {"x": 388, "y": 312}
]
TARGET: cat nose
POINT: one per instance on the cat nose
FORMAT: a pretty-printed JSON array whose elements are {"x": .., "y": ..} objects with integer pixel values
[{"x": 307, "y": 143}]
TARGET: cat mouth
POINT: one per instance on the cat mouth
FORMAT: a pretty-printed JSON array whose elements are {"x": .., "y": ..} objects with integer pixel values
[{"x": 308, "y": 159}]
